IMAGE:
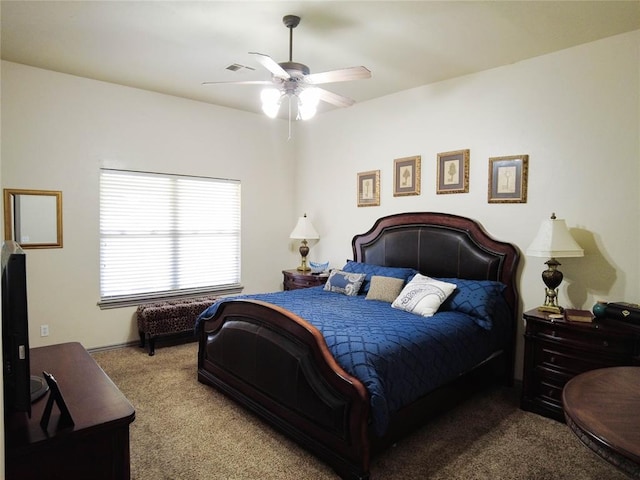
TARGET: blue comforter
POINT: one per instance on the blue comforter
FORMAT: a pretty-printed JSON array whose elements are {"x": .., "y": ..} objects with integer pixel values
[{"x": 398, "y": 356}]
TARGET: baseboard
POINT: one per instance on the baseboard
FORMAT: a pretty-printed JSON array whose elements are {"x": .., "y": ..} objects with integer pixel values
[
  {"x": 114, "y": 347},
  {"x": 164, "y": 340}
]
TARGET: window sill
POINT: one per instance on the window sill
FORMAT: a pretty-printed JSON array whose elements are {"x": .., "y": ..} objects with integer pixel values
[{"x": 135, "y": 300}]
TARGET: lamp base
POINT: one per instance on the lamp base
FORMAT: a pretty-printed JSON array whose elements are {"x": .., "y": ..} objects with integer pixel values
[
  {"x": 550, "y": 309},
  {"x": 552, "y": 278},
  {"x": 304, "y": 251}
]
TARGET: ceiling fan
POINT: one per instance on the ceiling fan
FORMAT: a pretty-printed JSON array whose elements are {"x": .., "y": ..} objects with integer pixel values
[{"x": 294, "y": 81}]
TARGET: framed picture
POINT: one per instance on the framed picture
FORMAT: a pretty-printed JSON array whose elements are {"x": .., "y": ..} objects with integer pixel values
[
  {"x": 406, "y": 176},
  {"x": 508, "y": 179},
  {"x": 453, "y": 172},
  {"x": 369, "y": 188}
]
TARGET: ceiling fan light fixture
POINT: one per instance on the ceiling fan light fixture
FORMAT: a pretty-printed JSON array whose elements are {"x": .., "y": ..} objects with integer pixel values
[
  {"x": 271, "y": 99},
  {"x": 295, "y": 82},
  {"x": 308, "y": 101}
]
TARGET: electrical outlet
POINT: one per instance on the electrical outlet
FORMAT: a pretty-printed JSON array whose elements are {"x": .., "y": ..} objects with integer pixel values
[{"x": 44, "y": 330}]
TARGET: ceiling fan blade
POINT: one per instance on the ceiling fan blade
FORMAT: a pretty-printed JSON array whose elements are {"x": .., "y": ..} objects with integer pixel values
[
  {"x": 334, "y": 98},
  {"x": 270, "y": 64},
  {"x": 342, "y": 75},
  {"x": 244, "y": 82}
]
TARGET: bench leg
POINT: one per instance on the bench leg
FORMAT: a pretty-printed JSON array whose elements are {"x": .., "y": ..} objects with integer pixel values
[
  {"x": 142, "y": 337},
  {"x": 152, "y": 346}
]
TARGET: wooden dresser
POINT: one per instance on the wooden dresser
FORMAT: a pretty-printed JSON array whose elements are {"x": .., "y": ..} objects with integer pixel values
[
  {"x": 95, "y": 447},
  {"x": 294, "y": 279},
  {"x": 558, "y": 350}
]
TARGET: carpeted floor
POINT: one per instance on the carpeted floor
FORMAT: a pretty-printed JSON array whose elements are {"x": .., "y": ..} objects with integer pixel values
[{"x": 186, "y": 430}]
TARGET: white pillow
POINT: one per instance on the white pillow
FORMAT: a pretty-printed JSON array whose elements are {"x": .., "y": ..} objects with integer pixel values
[{"x": 423, "y": 295}]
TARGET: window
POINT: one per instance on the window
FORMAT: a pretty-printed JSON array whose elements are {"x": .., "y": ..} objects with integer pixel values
[{"x": 167, "y": 235}]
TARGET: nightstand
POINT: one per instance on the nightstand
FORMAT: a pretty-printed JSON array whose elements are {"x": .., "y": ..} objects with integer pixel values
[
  {"x": 556, "y": 350},
  {"x": 294, "y": 279}
]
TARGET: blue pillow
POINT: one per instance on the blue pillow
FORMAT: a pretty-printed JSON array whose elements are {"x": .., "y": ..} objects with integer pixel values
[
  {"x": 477, "y": 298},
  {"x": 344, "y": 282},
  {"x": 370, "y": 270}
]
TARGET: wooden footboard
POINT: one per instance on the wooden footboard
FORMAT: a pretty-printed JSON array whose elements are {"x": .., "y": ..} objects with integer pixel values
[{"x": 279, "y": 366}]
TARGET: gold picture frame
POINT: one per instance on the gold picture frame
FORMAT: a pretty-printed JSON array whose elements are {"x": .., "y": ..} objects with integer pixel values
[
  {"x": 508, "y": 179},
  {"x": 33, "y": 218},
  {"x": 369, "y": 188},
  {"x": 453, "y": 172},
  {"x": 406, "y": 176}
]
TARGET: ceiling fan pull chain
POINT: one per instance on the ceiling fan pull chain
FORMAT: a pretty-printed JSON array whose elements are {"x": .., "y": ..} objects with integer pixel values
[{"x": 289, "y": 119}]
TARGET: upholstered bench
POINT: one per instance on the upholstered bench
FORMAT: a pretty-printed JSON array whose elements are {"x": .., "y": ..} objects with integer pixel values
[{"x": 170, "y": 317}]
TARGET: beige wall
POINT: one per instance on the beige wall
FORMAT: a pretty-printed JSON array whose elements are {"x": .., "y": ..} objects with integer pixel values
[
  {"x": 575, "y": 113},
  {"x": 576, "y": 120},
  {"x": 58, "y": 130}
]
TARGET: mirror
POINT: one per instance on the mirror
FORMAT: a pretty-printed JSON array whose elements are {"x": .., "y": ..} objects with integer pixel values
[{"x": 33, "y": 218}]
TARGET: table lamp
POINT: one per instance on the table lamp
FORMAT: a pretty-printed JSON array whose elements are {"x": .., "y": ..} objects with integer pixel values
[
  {"x": 553, "y": 241},
  {"x": 304, "y": 231}
]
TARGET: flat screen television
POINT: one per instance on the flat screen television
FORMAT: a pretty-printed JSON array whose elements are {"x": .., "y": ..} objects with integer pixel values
[{"x": 20, "y": 387}]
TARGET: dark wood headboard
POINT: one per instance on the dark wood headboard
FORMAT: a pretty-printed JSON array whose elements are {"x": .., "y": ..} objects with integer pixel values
[{"x": 440, "y": 245}]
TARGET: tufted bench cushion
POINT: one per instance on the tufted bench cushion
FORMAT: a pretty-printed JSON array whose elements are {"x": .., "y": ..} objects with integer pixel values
[{"x": 169, "y": 318}]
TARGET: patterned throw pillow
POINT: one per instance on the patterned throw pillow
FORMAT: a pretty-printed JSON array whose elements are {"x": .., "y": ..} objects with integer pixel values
[
  {"x": 344, "y": 282},
  {"x": 385, "y": 289},
  {"x": 477, "y": 298},
  {"x": 423, "y": 295},
  {"x": 370, "y": 270}
]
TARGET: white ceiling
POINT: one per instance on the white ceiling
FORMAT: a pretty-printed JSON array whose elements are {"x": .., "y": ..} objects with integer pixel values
[{"x": 173, "y": 46}]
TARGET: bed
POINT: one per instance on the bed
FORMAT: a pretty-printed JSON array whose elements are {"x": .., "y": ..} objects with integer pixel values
[{"x": 285, "y": 356}]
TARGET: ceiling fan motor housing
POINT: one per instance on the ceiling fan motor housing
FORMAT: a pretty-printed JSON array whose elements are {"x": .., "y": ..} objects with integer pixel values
[
  {"x": 296, "y": 72},
  {"x": 295, "y": 69}
]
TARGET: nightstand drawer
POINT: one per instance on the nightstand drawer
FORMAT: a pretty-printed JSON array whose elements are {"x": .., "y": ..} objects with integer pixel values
[
  {"x": 291, "y": 284},
  {"x": 294, "y": 279},
  {"x": 549, "y": 390},
  {"x": 567, "y": 361},
  {"x": 586, "y": 338}
]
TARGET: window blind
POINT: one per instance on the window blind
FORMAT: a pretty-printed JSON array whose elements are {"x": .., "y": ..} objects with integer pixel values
[{"x": 166, "y": 235}]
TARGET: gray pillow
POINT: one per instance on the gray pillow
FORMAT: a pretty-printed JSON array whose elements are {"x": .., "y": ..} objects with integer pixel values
[{"x": 385, "y": 289}]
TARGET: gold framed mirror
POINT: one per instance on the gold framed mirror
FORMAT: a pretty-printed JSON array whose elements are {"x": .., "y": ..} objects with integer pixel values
[{"x": 33, "y": 218}]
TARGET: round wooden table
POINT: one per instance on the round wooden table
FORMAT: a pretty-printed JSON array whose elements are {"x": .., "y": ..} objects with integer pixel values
[{"x": 602, "y": 407}]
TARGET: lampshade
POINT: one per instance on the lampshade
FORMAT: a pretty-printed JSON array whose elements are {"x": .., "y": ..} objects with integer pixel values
[
  {"x": 554, "y": 241},
  {"x": 304, "y": 230},
  {"x": 308, "y": 101},
  {"x": 271, "y": 99}
]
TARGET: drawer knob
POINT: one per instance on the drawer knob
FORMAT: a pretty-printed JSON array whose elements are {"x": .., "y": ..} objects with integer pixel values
[
  {"x": 605, "y": 343},
  {"x": 552, "y": 359}
]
